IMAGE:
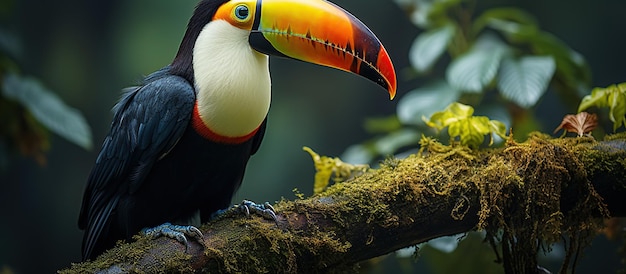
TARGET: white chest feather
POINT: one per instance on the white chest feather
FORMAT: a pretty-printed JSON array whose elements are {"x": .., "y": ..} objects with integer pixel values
[{"x": 232, "y": 80}]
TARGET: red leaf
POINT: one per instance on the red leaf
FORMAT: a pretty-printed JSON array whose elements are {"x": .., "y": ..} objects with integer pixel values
[{"x": 580, "y": 123}]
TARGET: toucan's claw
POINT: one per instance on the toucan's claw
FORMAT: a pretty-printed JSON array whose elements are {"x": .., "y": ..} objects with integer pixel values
[
  {"x": 265, "y": 210},
  {"x": 177, "y": 232}
]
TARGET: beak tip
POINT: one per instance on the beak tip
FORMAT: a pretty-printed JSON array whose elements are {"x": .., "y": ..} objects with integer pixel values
[{"x": 392, "y": 88}]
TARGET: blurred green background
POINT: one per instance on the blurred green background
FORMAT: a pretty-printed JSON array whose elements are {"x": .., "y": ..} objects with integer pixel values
[{"x": 87, "y": 51}]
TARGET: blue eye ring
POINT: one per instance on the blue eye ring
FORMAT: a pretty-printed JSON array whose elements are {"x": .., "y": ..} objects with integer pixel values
[{"x": 242, "y": 12}]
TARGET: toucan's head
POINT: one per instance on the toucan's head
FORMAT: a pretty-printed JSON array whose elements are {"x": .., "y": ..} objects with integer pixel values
[{"x": 314, "y": 31}]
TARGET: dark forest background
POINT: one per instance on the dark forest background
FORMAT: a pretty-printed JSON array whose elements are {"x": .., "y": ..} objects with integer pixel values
[{"x": 87, "y": 51}]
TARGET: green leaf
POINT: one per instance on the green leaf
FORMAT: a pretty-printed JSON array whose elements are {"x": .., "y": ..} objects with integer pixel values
[
  {"x": 501, "y": 119},
  {"x": 425, "y": 101},
  {"x": 597, "y": 98},
  {"x": 392, "y": 142},
  {"x": 613, "y": 97},
  {"x": 429, "y": 46},
  {"x": 326, "y": 166},
  {"x": 497, "y": 127},
  {"x": 494, "y": 110},
  {"x": 470, "y": 130},
  {"x": 571, "y": 67},
  {"x": 460, "y": 110},
  {"x": 617, "y": 105},
  {"x": 48, "y": 109},
  {"x": 476, "y": 69},
  {"x": 452, "y": 114},
  {"x": 525, "y": 80},
  {"x": 514, "y": 23}
]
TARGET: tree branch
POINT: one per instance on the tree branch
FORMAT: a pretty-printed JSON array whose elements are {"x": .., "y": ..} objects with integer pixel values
[{"x": 552, "y": 185}]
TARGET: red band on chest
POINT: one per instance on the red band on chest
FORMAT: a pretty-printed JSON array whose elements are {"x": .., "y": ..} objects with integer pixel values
[{"x": 203, "y": 130}]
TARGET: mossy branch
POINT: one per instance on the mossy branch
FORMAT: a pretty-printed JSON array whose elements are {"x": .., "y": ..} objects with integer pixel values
[{"x": 545, "y": 189}]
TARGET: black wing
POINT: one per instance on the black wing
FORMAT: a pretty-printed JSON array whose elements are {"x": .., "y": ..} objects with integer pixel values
[{"x": 148, "y": 122}]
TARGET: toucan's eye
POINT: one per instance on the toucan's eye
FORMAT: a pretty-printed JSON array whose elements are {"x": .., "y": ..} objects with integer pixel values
[{"x": 241, "y": 12}]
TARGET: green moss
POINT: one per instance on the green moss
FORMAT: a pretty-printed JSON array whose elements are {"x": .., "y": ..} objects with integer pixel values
[
  {"x": 124, "y": 253},
  {"x": 519, "y": 190}
]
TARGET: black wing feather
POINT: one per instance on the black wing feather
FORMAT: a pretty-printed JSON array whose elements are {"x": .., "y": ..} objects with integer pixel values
[{"x": 148, "y": 122}]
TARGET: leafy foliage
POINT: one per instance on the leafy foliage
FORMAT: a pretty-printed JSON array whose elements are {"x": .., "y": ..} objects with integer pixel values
[
  {"x": 425, "y": 101},
  {"x": 524, "y": 81},
  {"x": 501, "y": 58},
  {"x": 20, "y": 133},
  {"x": 501, "y": 51},
  {"x": 613, "y": 97},
  {"x": 28, "y": 110},
  {"x": 48, "y": 109},
  {"x": 476, "y": 69},
  {"x": 581, "y": 123},
  {"x": 325, "y": 167},
  {"x": 477, "y": 54},
  {"x": 429, "y": 46},
  {"x": 461, "y": 123}
]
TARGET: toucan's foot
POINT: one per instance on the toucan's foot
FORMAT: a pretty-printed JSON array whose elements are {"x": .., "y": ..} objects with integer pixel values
[
  {"x": 265, "y": 210},
  {"x": 177, "y": 232}
]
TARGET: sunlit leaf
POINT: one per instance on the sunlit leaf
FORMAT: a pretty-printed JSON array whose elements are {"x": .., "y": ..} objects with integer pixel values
[
  {"x": 599, "y": 97},
  {"x": 452, "y": 114},
  {"x": 460, "y": 110},
  {"x": 613, "y": 97},
  {"x": 48, "y": 109},
  {"x": 495, "y": 110},
  {"x": 470, "y": 130},
  {"x": 617, "y": 105},
  {"x": 429, "y": 46},
  {"x": 581, "y": 123},
  {"x": 323, "y": 170},
  {"x": 326, "y": 166},
  {"x": 501, "y": 119},
  {"x": 526, "y": 79},
  {"x": 425, "y": 101},
  {"x": 498, "y": 128},
  {"x": 476, "y": 69}
]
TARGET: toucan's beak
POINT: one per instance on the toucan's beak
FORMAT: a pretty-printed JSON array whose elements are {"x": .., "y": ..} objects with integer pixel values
[{"x": 319, "y": 32}]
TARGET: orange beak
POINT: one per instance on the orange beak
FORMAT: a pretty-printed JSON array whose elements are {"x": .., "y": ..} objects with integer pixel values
[{"x": 319, "y": 32}]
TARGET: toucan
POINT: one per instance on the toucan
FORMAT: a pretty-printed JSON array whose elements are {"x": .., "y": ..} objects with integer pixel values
[{"x": 180, "y": 140}]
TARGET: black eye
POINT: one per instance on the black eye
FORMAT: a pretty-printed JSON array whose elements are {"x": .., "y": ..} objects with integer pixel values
[{"x": 242, "y": 12}]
